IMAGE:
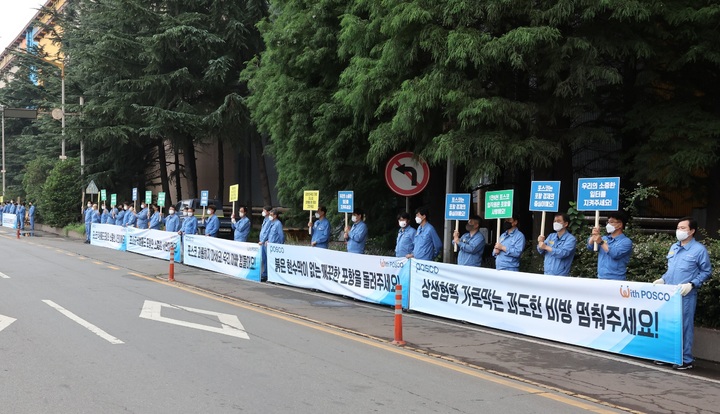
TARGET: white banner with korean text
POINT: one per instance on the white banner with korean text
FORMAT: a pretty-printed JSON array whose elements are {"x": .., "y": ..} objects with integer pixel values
[
  {"x": 629, "y": 318},
  {"x": 9, "y": 220},
  {"x": 153, "y": 243},
  {"x": 107, "y": 235},
  {"x": 237, "y": 259},
  {"x": 363, "y": 277}
]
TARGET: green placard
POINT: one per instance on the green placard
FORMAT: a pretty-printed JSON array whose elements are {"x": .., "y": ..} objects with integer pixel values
[
  {"x": 498, "y": 204},
  {"x": 148, "y": 197},
  {"x": 161, "y": 199},
  {"x": 103, "y": 195},
  {"x": 113, "y": 199}
]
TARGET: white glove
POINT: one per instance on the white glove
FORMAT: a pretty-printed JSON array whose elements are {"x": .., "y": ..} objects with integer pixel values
[
  {"x": 685, "y": 288},
  {"x": 659, "y": 282}
]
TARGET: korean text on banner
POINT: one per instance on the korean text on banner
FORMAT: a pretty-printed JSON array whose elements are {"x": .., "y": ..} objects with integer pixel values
[
  {"x": 153, "y": 243},
  {"x": 544, "y": 196},
  {"x": 311, "y": 200},
  {"x": 9, "y": 220},
  {"x": 241, "y": 260},
  {"x": 363, "y": 277},
  {"x": 108, "y": 235},
  {"x": 629, "y": 318}
]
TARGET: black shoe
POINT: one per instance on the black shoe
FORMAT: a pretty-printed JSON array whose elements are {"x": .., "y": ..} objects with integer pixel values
[
  {"x": 684, "y": 366},
  {"x": 663, "y": 364},
  {"x": 87, "y": 241}
]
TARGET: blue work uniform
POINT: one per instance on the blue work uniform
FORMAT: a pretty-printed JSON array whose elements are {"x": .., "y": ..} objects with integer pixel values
[
  {"x": 405, "y": 241},
  {"x": 155, "y": 221},
  {"x": 275, "y": 232},
  {"x": 94, "y": 219},
  {"x": 321, "y": 233},
  {"x": 104, "y": 216},
  {"x": 172, "y": 223},
  {"x": 189, "y": 226},
  {"x": 31, "y": 217},
  {"x": 130, "y": 219},
  {"x": 21, "y": 217},
  {"x": 264, "y": 228},
  {"x": 514, "y": 243},
  {"x": 357, "y": 237},
  {"x": 88, "y": 220},
  {"x": 470, "y": 249},
  {"x": 212, "y": 226},
  {"x": 241, "y": 229},
  {"x": 120, "y": 218},
  {"x": 427, "y": 243},
  {"x": 688, "y": 264},
  {"x": 613, "y": 264},
  {"x": 142, "y": 218},
  {"x": 559, "y": 260}
]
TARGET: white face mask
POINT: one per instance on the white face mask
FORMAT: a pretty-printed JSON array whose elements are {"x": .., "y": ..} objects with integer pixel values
[
  {"x": 354, "y": 219},
  {"x": 271, "y": 218},
  {"x": 317, "y": 215},
  {"x": 557, "y": 226},
  {"x": 402, "y": 223},
  {"x": 241, "y": 214},
  {"x": 610, "y": 228},
  {"x": 682, "y": 235},
  {"x": 89, "y": 205},
  {"x": 171, "y": 212},
  {"x": 125, "y": 208},
  {"x": 418, "y": 220},
  {"x": 142, "y": 206},
  {"x": 264, "y": 213}
]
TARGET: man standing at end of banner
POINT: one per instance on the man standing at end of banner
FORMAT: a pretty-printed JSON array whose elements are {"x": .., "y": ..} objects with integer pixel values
[
  {"x": 88, "y": 220},
  {"x": 558, "y": 248},
  {"x": 427, "y": 242},
  {"x": 356, "y": 235},
  {"x": 405, "y": 238},
  {"x": 688, "y": 267},
  {"x": 614, "y": 250},
  {"x": 508, "y": 250},
  {"x": 471, "y": 245},
  {"x": 241, "y": 225},
  {"x": 172, "y": 221},
  {"x": 264, "y": 228},
  {"x": 320, "y": 229}
]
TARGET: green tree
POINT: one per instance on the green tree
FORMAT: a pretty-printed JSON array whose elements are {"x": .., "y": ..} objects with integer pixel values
[{"x": 60, "y": 201}]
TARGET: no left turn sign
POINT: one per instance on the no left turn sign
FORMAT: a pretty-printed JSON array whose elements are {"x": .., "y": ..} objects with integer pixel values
[{"x": 407, "y": 176}]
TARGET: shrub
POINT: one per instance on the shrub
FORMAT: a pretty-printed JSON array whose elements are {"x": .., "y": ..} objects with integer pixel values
[{"x": 61, "y": 204}]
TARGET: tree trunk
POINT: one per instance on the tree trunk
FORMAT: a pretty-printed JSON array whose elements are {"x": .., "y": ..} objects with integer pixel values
[
  {"x": 190, "y": 168},
  {"x": 178, "y": 186},
  {"x": 264, "y": 182},
  {"x": 164, "y": 179},
  {"x": 221, "y": 172}
]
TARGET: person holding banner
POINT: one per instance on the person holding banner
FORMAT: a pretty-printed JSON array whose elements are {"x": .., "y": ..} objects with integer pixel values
[
  {"x": 21, "y": 216},
  {"x": 427, "y": 243},
  {"x": 242, "y": 226},
  {"x": 189, "y": 225},
  {"x": 143, "y": 216},
  {"x": 275, "y": 232},
  {"x": 320, "y": 229},
  {"x": 212, "y": 225},
  {"x": 688, "y": 267},
  {"x": 471, "y": 245},
  {"x": 264, "y": 228},
  {"x": 120, "y": 216},
  {"x": 356, "y": 236},
  {"x": 558, "y": 248},
  {"x": 510, "y": 246},
  {"x": 172, "y": 221},
  {"x": 88, "y": 220},
  {"x": 406, "y": 236},
  {"x": 614, "y": 250},
  {"x": 156, "y": 218},
  {"x": 130, "y": 217}
]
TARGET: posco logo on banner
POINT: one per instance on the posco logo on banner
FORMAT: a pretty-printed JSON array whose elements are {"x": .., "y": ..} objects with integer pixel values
[
  {"x": 427, "y": 268},
  {"x": 276, "y": 249},
  {"x": 626, "y": 292},
  {"x": 395, "y": 264}
]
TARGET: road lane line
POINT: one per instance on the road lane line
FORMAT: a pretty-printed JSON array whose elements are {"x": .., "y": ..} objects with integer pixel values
[
  {"x": 4, "y": 276},
  {"x": 113, "y": 267},
  {"x": 82, "y": 322}
]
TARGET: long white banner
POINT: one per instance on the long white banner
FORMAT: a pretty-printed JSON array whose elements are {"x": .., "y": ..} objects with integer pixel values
[
  {"x": 9, "y": 220},
  {"x": 107, "y": 235},
  {"x": 363, "y": 277},
  {"x": 241, "y": 260},
  {"x": 154, "y": 243},
  {"x": 630, "y": 318}
]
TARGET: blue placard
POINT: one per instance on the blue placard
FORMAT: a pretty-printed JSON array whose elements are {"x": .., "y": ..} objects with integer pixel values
[
  {"x": 601, "y": 194},
  {"x": 346, "y": 202},
  {"x": 457, "y": 206},
  {"x": 544, "y": 195},
  {"x": 204, "y": 198},
  {"x": 134, "y": 197}
]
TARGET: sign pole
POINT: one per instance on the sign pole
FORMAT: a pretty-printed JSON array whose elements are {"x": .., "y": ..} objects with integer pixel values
[
  {"x": 457, "y": 228},
  {"x": 346, "y": 223},
  {"x": 542, "y": 225},
  {"x": 498, "y": 231},
  {"x": 310, "y": 222},
  {"x": 597, "y": 224}
]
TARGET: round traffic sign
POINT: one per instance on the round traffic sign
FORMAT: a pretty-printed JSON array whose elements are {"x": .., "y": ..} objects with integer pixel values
[{"x": 405, "y": 175}]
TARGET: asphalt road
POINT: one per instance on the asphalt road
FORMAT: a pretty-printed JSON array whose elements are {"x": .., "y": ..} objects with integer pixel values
[{"x": 79, "y": 334}]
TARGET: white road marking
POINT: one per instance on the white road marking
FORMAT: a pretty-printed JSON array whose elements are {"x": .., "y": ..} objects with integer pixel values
[
  {"x": 82, "y": 322},
  {"x": 5, "y": 321},
  {"x": 230, "y": 323},
  {"x": 4, "y": 276}
]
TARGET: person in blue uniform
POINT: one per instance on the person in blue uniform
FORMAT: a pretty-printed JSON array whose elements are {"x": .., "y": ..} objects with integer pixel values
[
  {"x": 94, "y": 219},
  {"x": 471, "y": 244},
  {"x": 130, "y": 217},
  {"x": 614, "y": 250},
  {"x": 427, "y": 242},
  {"x": 275, "y": 228},
  {"x": 264, "y": 228},
  {"x": 156, "y": 218},
  {"x": 189, "y": 226},
  {"x": 21, "y": 216},
  {"x": 104, "y": 215},
  {"x": 405, "y": 241},
  {"x": 88, "y": 220},
  {"x": 120, "y": 217},
  {"x": 172, "y": 221},
  {"x": 31, "y": 218},
  {"x": 320, "y": 229},
  {"x": 212, "y": 225},
  {"x": 558, "y": 249},
  {"x": 143, "y": 216},
  {"x": 241, "y": 225},
  {"x": 508, "y": 250},
  {"x": 688, "y": 268},
  {"x": 356, "y": 236}
]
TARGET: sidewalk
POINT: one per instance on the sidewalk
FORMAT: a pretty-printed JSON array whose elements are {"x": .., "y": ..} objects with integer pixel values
[{"x": 617, "y": 380}]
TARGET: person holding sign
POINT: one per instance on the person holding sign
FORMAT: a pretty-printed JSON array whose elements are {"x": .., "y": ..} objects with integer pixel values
[
  {"x": 172, "y": 221},
  {"x": 510, "y": 246},
  {"x": 406, "y": 236},
  {"x": 320, "y": 229},
  {"x": 427, "y": 243},
  {"x": 213, "y": 223},
  {"x": 357, "y": 235},
  {"x": 471, "y": 245},
  {"x": 688, "y": 267},
  {"x": 614, "y": 249},
  {"x": 241, "y": 227},
  {"x": 558, "y": 248}
]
